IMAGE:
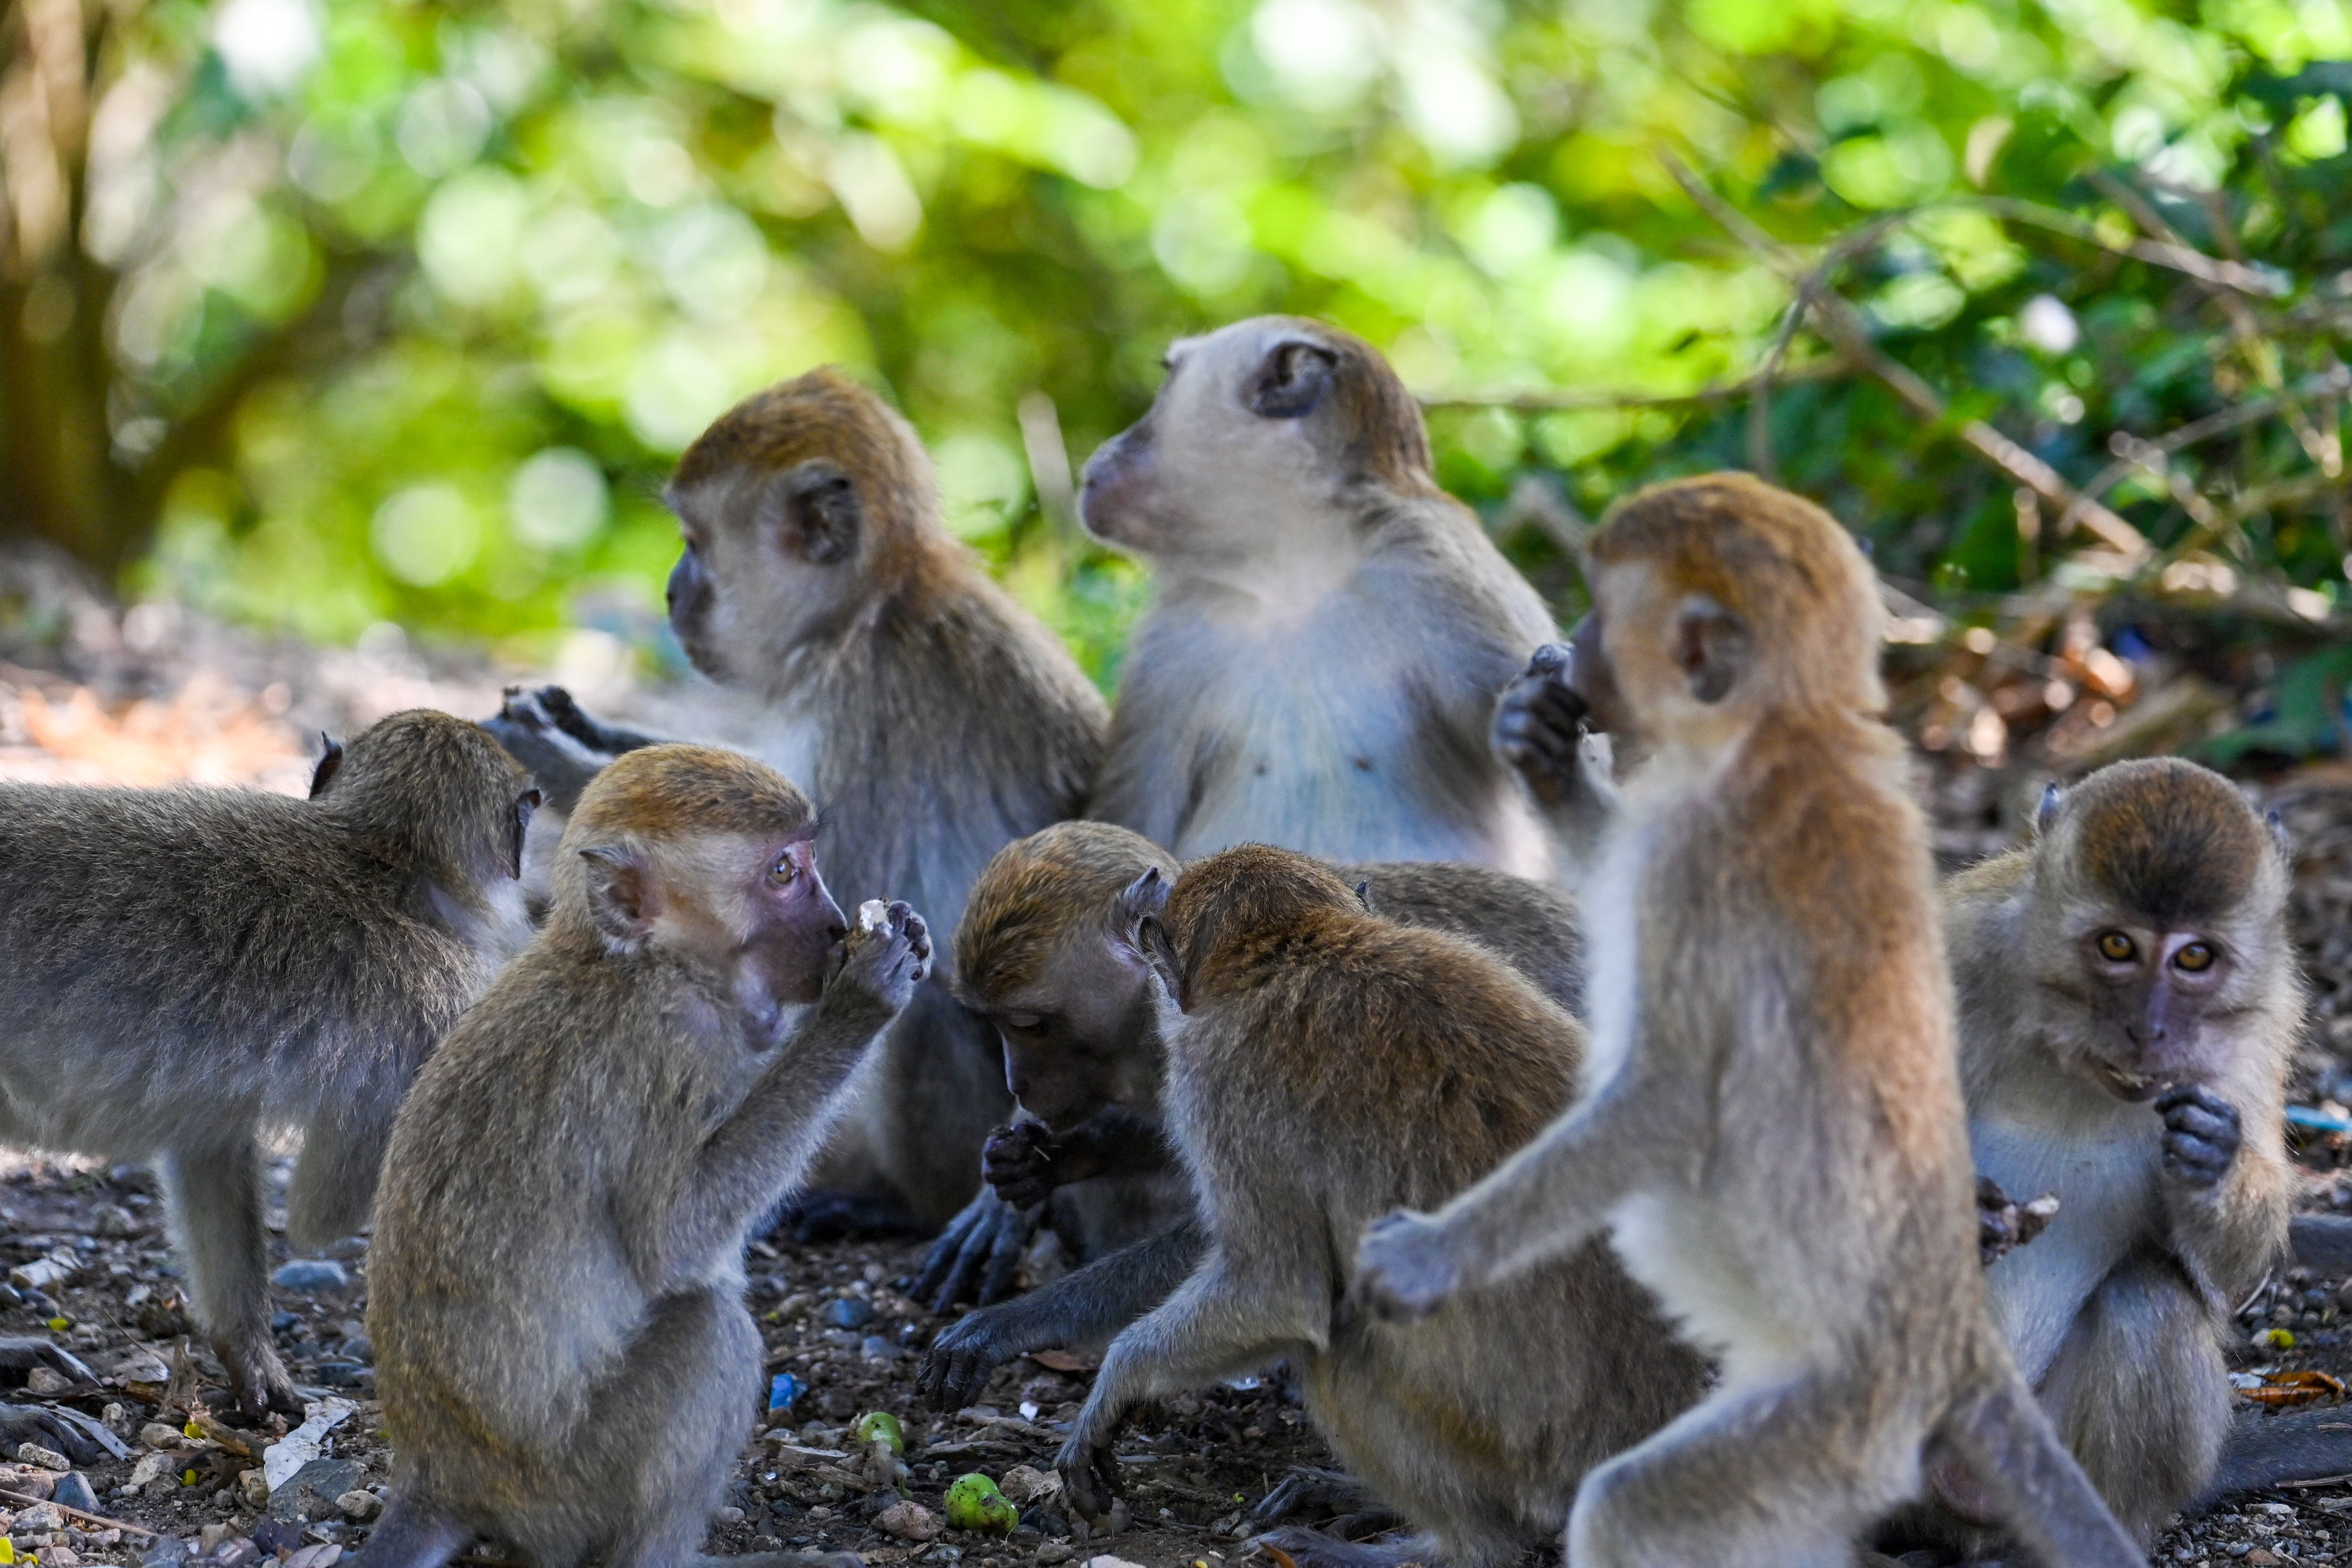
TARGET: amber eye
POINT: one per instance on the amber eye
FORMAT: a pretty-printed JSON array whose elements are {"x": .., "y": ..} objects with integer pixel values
[
  {"x": 2196, "y": 958},
  {"x": 783, "y": 871},
  {"x": 2116, "y": 948}
]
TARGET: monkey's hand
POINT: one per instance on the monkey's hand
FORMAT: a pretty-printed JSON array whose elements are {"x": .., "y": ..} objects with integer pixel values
[
  {"x": 1090, "y": 1474},
  {"x": 2004, "y": 1224},
  {"x": 2201, "y": 1133},
  {"x": 1540, "y": 728},
  {"x": 956, "y": 1369},
  {"x": 1018, "y": 1162},
  {"x": 1405, "y": 1268},
  {"x": 974, "y": 1259},
  {"x": 884, "y": 964}
]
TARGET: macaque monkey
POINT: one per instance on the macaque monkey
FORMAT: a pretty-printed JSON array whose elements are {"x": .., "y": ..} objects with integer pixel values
[
  {"x": 1038, "y": 955},
  {"x": 861, "y": 649},
  {"x": 2129, "y": 1004},
  {"x": 1771, "y": 1127},
  {"x": 1327, "y": 629},
  {"x": 556, "y": 1285},
  {"x": 1321, "y": 1062},
  {"x": 189, "y": 968}
]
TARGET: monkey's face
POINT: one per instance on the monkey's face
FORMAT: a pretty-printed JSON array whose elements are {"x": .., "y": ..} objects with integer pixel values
[
  {"x": 2143, "y": 994},
  {"x": 767, "y": 556},
  {"x": 1236, "y": 465},
  {"x": 1079, "y": 1038},
  {"x": 792, "y": 925}
]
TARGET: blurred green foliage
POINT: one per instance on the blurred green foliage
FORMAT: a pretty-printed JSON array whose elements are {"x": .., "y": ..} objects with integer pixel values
[{"x": 369, "y": 309}]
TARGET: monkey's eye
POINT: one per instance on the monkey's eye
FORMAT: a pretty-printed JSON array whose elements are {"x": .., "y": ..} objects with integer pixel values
[
  {"x": 2196, "y": 958},
  {"x": 2117, "y": 948},
  {"x": 783, "y": 871}
]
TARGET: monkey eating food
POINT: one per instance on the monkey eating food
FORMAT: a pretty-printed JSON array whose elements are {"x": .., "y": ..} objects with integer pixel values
[
  {"x": 1771, "y": 1127},
  {"x": 565, "y": 1361},
  {"x": 189, "y": 967}
]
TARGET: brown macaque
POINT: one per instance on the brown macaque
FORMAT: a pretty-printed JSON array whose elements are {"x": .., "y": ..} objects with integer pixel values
[
  {"x": 2129, "y": 1004},
  {"x": 1327, "y": 629},
  {"x": 1038, "y": 954},
  {"x": 1323, "y": 1061},
  {"x": 556, "y": 1283},
  {"x": 1771, "y": 1127},
  {"x": 860, "y": 648},
  {"x": 189, "y": 970}
]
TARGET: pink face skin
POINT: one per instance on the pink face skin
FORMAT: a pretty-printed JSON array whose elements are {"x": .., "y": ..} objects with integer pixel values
[
  {"x": 794, "y": 924},
  {"x": 2148, "y": 989}
]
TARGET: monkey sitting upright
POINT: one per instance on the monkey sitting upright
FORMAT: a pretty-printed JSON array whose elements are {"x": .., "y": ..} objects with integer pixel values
[
  {"x": 185, "y": 967},
  {"x": 2129, "y": 1004},
  {"x": 1327, "y": 628},
  {"x": 860, "y": 648},
  {"x": 1772, "y": 1127},
  {"x": 1034, "y": 955},
  {"x": 1321, "y": 1062},
  {"x": 556, "y": 1289}
]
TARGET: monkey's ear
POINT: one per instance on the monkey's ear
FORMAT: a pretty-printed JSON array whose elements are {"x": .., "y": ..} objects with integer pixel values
[
  {"x": 328, "y": 760},
  {"x": 620, "y": 894},
  {"x": 814, "y": 510},
  {"x": 1159, "y": 953},
  {"x": 1710, "y": 647},
  {"x": 526, "y": 804},
  {"x": 1146, "y": 895},
  {"x": 2047, "y": 812},
  {"x": 2276, "y": 823},
  {"x": 1291, "y": 380},
  {"x": 1364, "y": 897}
]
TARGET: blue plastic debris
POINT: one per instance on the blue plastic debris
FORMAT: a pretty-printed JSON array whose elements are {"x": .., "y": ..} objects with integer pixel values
[
  {"x": 848, "y": 1312},
  {"x": 783, "y": 1389},
  {"x": 2316, "y": 1121}
]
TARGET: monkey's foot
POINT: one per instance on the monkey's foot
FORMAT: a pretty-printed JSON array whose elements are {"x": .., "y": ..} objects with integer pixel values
[
  {"x": 1308, "y": 1490},
  {"x": 1313, "y": 1548},
  {"x": 975, "y": 1258},
  {"x": 259, "y": 1381},
  {"x": 811, "y": 1217}
]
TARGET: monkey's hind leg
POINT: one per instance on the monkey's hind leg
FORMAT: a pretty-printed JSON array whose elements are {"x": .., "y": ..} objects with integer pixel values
[
  {"x": 332, "y": 1191},
  {"x": 214, "y": 1194},
  {"x": 412, "y": 1536},
  {"x": 1781, "y": 1475}
]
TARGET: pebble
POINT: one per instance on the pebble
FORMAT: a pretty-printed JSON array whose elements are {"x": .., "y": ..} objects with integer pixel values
[
  {"x": 113, "y": 1221},
  {"x": 1054, "y": 1551},
  {"x": 255, "y": 1487},
  {"x": 359, "y": 1505},
  {"x": 158, "y": 1435},
  {"x": 237, "y": 1553},
  {"x": 848, "y": 1312},
  {"x": 73, "y": 1491},
  {"x": 275, "y": 1535},
  {"x": 908, "y": 1519},
  {"x": 876, "y": 1348},
  {"x": 56, "y": 1557},
  {"x": 165, "y": 1552},
  {"x": 311, "y": 1274},
  {"x": 45, "y": 1458},
  {"x": 44, "y": 1380},
  {"x": 310, "y": 1491},
  {"x": 322, "y": 1555},
  {"x": 1109, "y": 1562},
  {"x": 213, "y": 1536}
]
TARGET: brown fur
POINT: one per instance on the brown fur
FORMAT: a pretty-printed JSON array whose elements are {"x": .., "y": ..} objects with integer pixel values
[{"x": 1323, "y": 1061}]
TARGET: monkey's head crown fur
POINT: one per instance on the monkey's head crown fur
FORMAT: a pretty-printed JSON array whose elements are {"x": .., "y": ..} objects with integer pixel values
[
  {"x": 696, "y": 789},
  {"x": 431, "y": 783},
  {"x": 1223, "y": 905},
  {"x": 822, "y": 414},
  {"x": 1016, "y": 910},
  {"x": 2172, "y": 842},
  {"x": 1784, "y": 566}
]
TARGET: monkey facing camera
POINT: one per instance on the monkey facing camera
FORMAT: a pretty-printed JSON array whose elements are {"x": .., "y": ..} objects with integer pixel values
[
  {"x": 556, "y": 1286},
  {"x": 189, "y": 968}
]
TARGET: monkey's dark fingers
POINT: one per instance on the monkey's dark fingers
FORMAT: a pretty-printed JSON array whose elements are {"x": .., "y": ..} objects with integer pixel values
[
  {"x": 956, "y": 1371},
  {"x": 2197, "y": 1160},
  {"x": 1550, "y": 659},
  {"x": 1016, "y": 1228},
  {"x": 2192, "y": 1108},
  {"x": 947, "y": 1267}
]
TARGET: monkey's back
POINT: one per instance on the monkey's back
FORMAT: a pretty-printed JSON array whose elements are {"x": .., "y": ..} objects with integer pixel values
[
  {"x": 1529, "y": 925},
  {"x": 164, "y": 941},
  {"x": 1459, "y": 1419},
  {"x": 1789, "y": 946}
]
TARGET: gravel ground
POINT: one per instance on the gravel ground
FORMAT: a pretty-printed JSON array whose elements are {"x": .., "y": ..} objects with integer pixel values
[{"x": 89, "y": 695}]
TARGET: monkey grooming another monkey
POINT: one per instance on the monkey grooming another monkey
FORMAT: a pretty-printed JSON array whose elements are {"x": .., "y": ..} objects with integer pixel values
[
  {"x": 1327, "y": 629},
  {"x": 1035, "y": 954},
  {"x": 2129, "y": 1004},
  {"x": 1322, "y": 1062},
  {"x": 1771, "y": 1127},
  {"x": 860, "y": 648},
  {"x": 187, "y": 967},
  {"x": 556, "y": 1287}
]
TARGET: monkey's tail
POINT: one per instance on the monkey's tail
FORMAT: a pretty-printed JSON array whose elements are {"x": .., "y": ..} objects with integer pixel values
[
  {"x": 2043, "y": 1495},
  {"x": 2263, "y": 1450},
  {"x": 412, "y": 1535}
]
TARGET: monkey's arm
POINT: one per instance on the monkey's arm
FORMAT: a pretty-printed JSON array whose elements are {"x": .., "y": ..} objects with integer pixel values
[
  {"x": 769, "y": 1139},
  {"x": 1542, "y": 1202},
  {"x": 1541, "y": 731},
  {"x": 1084, "y": 1307},
  {"x": 547, "y": 732},
  {"x": 1230, "y": 1317},
  {"x": 2225, "y": 1183}
]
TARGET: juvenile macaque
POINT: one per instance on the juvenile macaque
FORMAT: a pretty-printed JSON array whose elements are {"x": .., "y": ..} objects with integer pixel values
[
  {"x": 1771, "y": 1127},
  {"x": 1323, "y": 1061},
  {"x": 861, "y": 649},
  {"x": 1038, "y": 955},
  {"x": 2129, "y": 1002},
  {"x": 556, "y": 1286},
  {"x": 1327, "y": 628},
  {"x": 187, "y": 968}
]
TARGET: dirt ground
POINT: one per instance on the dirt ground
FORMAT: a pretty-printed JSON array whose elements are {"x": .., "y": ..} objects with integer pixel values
[{"x": 88, "y": 695}]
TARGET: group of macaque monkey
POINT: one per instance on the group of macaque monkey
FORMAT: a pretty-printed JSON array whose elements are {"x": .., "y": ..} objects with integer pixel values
[{"x": 1566, "y": 1066}]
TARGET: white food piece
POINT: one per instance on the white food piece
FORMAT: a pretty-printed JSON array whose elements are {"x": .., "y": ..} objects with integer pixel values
[{"x": 873, "y": 915}]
